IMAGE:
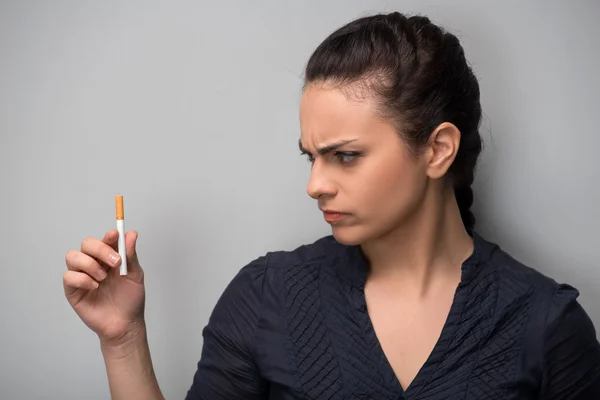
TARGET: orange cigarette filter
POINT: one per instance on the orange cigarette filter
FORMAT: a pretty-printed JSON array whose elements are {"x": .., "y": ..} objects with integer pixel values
[{"x": 120, "y": 213}]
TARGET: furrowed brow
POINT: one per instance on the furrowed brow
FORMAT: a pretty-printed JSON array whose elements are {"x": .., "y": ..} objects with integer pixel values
[{"x": 327, "y": 148}]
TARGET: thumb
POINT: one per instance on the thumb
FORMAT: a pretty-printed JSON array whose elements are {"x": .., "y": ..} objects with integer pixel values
[{"x": 134, "y": 269}]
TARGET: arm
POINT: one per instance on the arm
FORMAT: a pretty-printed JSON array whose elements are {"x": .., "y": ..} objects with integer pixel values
[
  {"x": 129, "y": 368},
  {"x": 227, "y": 369},
  {"x": 571, "y": 363}
]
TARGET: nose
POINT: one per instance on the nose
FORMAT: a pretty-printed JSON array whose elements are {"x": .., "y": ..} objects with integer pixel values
[{"x": 319, "y": 184}]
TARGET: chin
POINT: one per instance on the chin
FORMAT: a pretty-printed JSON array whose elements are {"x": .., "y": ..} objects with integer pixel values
[{"x": 349, "y": 235}]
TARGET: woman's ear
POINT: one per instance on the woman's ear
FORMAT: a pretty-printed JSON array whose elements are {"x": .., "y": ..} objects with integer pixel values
[{"x": 442, "y": 148}]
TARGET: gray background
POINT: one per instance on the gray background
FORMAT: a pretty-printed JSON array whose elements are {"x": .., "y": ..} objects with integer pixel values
[{"x": 189, "y": 109}]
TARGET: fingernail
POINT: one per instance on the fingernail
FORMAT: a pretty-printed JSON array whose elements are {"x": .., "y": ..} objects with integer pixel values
[
  {"x": 114, "y": 258},
  {"x": 102, "y": 273}
]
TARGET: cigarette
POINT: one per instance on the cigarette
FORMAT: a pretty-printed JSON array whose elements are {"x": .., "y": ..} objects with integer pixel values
[{"x": 121, "y": 229}]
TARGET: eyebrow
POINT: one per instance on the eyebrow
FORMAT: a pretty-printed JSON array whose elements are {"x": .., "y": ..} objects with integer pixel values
[{"x": 326, "y": 149}]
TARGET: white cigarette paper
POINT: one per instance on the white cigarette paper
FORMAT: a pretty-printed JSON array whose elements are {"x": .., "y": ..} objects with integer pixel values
[{"x": 121, "y": 229}]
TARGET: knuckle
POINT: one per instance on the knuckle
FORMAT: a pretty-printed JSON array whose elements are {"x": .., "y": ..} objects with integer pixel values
[
  {"x": 78, "y": 261},
  {"x": 68, "y": 279},
  {"x": 70, "y": 256},
  {"x": 85, "y": 242}
]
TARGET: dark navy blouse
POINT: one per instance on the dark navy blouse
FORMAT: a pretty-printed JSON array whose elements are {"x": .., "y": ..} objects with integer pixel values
[{"x": 295, "y": 325}]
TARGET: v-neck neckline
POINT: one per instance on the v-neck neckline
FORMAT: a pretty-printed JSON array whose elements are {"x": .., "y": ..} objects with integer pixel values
[
  {"x": 358, "y": 267},
  {"x": 434, "y": 358}
]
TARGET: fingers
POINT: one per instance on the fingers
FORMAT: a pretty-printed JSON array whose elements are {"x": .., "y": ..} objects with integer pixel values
[
  {"x": 96, "y": 256},
  {"x": 80, "y": 262},
  {"x": 134, "y": 269},
  {"x": 73, "y": 280},
  {"x": 130, "y": 245},
  {"x": 111, "y": 238},
  {"x": 101, "y": 250}
]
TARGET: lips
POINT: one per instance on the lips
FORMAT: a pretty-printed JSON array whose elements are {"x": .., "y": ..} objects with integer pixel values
[
  {"x": 333, "y": 216},
  {"x": 327, "y": 211}
]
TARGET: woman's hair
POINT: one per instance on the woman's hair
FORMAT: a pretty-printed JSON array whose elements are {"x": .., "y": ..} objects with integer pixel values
[{"x": 419, "y": 78}]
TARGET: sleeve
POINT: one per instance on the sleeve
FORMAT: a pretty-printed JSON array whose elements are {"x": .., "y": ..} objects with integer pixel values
[
  {"x": 227, "y": 368},
  {"x": 571, "y": 352}
]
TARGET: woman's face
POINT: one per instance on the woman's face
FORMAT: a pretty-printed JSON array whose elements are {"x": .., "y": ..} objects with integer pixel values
[{"x": 367, "y": 174}]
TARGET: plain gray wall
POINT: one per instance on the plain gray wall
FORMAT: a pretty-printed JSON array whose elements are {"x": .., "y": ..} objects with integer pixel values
[{"x": 189, "y": 109}]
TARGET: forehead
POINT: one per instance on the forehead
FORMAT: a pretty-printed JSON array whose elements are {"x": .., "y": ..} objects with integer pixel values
[{"x": 329, "y": 114}]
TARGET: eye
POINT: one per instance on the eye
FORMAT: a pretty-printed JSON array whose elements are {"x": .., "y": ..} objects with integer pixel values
[{"x": 346, "y": 157}]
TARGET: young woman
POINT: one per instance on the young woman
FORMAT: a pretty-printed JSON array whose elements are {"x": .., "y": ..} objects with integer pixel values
[{"x": 404, "y": 300}]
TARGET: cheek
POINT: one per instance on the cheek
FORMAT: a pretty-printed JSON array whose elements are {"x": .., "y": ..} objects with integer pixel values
[
  {"x": 382, "y": 194},
  {"x": 391, "y": 188}
]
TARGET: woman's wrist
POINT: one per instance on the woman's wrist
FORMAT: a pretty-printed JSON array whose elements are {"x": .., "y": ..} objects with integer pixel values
[{"x": 135, "y": 338}]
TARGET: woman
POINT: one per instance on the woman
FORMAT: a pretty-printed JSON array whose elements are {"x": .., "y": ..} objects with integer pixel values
[{"x": 404, "y": 299}]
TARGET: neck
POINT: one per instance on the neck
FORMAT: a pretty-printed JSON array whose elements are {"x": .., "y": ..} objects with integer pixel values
[{"x": 429, "y": 247}]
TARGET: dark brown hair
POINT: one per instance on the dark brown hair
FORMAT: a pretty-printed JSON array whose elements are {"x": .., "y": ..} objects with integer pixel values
[{"x": 419, "y": 77}]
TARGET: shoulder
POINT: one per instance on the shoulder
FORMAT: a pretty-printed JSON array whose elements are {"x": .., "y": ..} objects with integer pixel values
[
  {"x": 259, "y": 281},
  {"x": 511, "y": 272},
  {"x": 256, "y": 287},
  {"x": 321, "y": 249},
  {"x": 570, "y": 359},
  {"x": 516, "y": 279},
  {"x": 552, "y": 307},
  {"x": 542, "y": 292},
  {"x": 252, "y": 276},
  {"x": 568, "y": 352}
]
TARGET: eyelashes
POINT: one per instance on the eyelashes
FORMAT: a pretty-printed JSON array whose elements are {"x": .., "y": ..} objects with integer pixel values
[
  {"x": 346, "y": 157},
  {"x": 342, "y": 157}
]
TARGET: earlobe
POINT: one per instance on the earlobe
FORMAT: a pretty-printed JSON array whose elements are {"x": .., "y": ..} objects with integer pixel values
[{"x": 443, "y": 146}]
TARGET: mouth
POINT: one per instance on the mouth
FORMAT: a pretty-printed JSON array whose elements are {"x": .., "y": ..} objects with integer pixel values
[{"x": 334, "y": 216}]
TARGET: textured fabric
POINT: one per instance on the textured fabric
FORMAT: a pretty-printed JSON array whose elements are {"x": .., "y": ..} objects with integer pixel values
[{"x": 295, "y": 325}]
